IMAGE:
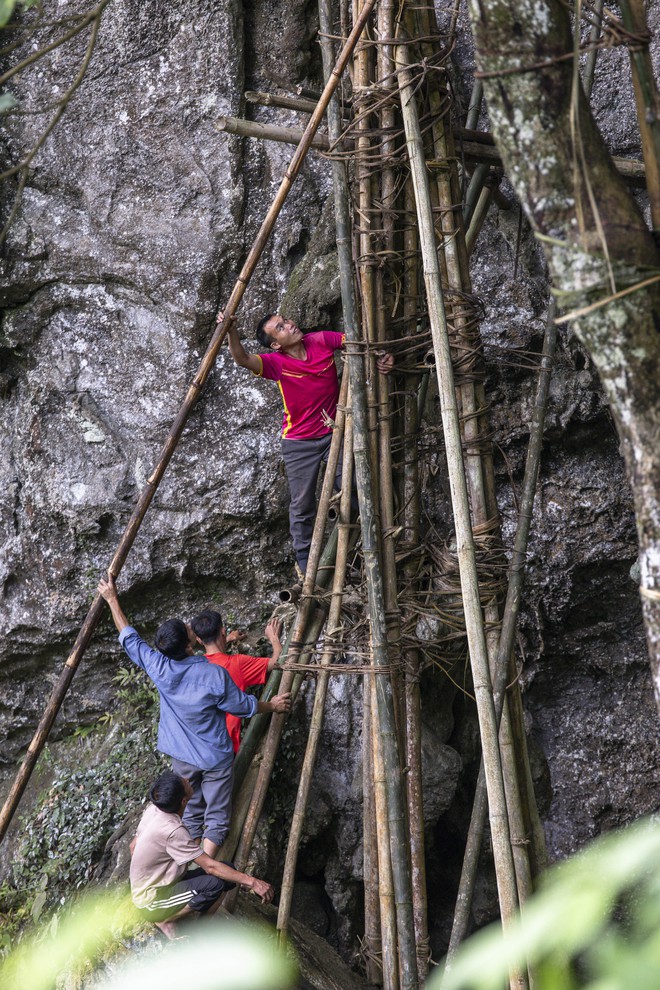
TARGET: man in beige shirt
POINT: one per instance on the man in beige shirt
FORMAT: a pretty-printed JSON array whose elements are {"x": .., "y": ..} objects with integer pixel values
[{"x": 162, "y": 886}]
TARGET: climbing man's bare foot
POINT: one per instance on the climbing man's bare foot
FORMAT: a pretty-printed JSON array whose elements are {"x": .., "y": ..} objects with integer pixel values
[{"x": 168, "y": 928}]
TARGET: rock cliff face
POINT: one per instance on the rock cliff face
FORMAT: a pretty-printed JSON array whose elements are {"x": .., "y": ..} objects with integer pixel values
[{"x": 132, "y": 228}]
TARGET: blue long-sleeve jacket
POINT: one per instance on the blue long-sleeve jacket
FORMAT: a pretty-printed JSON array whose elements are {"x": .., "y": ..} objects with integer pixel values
[{"x": 194, "y": 697}]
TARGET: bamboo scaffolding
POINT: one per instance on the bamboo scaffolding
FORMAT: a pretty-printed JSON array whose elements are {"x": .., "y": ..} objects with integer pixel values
[
  {"x": 97, "y": 608},
  {"x": 504, "y": 866},
  {"x": 333, "y": 632},
  {"x": 385, "y": 706},
  {"x": 509, "y": 625}
]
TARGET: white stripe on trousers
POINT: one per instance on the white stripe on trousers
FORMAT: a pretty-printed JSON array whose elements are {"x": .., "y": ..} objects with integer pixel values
[{"x": 182, "y": 898}]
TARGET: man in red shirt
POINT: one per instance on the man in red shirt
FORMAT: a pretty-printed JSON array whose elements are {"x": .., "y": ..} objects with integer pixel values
[
  {"x": 245, "y": 671},
  {"x": 303, "y": 366}
]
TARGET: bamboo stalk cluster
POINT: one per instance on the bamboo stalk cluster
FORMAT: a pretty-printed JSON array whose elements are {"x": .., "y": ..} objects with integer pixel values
[{"x": 403, "y": 258}]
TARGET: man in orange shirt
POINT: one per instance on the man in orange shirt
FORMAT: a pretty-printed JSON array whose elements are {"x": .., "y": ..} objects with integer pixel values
[{"x": 245, "y": 671}]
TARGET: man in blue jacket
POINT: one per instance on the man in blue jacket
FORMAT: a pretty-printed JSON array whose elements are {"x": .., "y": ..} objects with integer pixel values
[{"x": 194, "y": 699}]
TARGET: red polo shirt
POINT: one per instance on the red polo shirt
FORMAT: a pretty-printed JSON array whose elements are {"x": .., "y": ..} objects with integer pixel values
[{"x": 245, "y": 672}]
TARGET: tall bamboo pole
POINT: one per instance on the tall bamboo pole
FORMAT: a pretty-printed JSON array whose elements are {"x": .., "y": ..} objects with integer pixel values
[
  {"x": 362, "y": 78},
  {"x": 206, "y": 364},
  {"x": 504, "y": 866},
  {"x": 386, "y": 82},
  {"x": 411, "y": 502},
  {"x": 372, "y": 925},
  {"x": 509, "y": 625},
  {"x": 333, "y": 631},
  {"x": 393, "y": 776},
  {"x": 479, "y": 467},
  {"x": 386, "y": 890}
]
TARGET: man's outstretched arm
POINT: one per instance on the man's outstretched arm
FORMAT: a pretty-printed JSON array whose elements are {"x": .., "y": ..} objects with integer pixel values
[
  {"x": 279, "y": 705},
  {"x": 225, "y": 872},
  {"x": 108, "y": 590},
  {"x": 237, "y": 351}
]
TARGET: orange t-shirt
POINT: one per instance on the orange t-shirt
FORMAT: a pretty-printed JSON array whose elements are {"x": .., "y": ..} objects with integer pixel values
[{"x": 245, "y": 672}]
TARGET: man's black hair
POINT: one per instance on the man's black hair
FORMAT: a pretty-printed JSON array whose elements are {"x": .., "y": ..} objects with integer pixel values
[
  {"x": 168, "y": 792},
  {"x": 207, "y": 625},
  {"x": 262, "y": 335},
  {"x": 172, "y": 639}
]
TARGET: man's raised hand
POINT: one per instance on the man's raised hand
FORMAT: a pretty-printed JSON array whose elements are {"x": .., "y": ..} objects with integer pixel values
[{"x": 107, "y": 588}]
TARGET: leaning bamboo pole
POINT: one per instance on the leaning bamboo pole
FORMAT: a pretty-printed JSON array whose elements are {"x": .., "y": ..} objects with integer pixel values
[
  {"x": 480, "y": 211},
  {"x": 410, "y": 501},
  {"x": 296, "y": 645},
  {"x": 504, "y": 866},
  {"x": 97, "y": 608},
  {"x": 258, "y": 724},
  {"x": 509, "y": 626},
  {"x": 332, "y": 634}
]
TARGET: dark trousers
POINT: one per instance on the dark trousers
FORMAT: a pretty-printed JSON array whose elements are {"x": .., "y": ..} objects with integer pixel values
[
  {"x": 198, "y": 890},
  {"x": 208, "y": 812},
  {"x": 302, "y": 461}
]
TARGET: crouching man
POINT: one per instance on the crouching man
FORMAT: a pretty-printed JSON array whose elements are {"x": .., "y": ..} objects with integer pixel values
[{"x": 162, "y": 886}]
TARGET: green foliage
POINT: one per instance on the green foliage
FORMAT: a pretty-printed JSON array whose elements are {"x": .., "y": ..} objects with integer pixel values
[
  {"x": 215, "y": 956},
  {"x": 65, "y": 836},
  {"x": 594, "y": 925},
  {"x": 136, "y": 691}
]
